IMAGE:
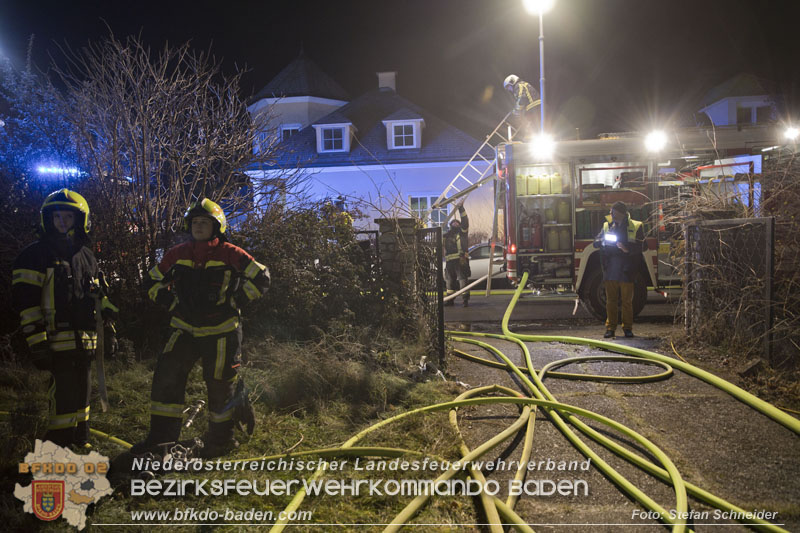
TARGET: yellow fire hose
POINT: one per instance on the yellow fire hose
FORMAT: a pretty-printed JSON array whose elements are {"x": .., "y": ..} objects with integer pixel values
[{"x": 500, "y": 512}]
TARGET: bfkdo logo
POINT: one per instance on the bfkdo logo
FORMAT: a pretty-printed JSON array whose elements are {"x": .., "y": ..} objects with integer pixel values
[{"x": 48, "y": 499}]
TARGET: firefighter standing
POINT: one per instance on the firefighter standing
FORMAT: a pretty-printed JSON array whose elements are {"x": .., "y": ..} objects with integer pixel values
[
  {"x": 201, "y": 282},
  {"x": 622, "y": 243},
  {"x": 456, "y": 255},
  {"x": 54, "y": 289}
]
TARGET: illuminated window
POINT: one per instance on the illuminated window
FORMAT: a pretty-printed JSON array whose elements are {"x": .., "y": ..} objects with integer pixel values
[{"x": 420, "y": 205}]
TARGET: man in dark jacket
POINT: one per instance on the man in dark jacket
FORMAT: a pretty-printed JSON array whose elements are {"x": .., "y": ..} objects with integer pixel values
[
  {"x": 456, "y": 255},
  {"x": 54, "y": 289},
  {"x": 622, "y": 243},
  {"x": 201, "y": 283}
]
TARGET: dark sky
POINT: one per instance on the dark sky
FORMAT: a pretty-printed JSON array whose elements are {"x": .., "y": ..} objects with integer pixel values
[{"x": 611, "y": 65}]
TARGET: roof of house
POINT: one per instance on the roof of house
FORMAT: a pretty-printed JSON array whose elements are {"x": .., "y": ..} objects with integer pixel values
[
  {"x": 742, "y": 84},
  {"x": 440, "y": 141},
  {"x": 302, "y": 77}
]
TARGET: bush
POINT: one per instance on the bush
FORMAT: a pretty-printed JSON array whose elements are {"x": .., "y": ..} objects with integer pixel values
[{"x": 323, "y": 277}]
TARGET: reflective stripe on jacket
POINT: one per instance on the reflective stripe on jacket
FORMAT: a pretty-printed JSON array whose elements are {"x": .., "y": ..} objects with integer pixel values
[
  {"x": 52, "y": 303},
  {"x": 199, "y": 283}
]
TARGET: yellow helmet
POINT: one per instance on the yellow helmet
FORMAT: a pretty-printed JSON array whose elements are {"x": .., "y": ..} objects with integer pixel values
[
  {"x": 205, "y": 207},
  {"x": 64, "y": 199}
]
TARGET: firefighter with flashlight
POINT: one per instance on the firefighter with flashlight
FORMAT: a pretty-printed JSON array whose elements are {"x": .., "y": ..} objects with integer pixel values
[
  {"x": 202, "y": 282},
  {"x": 622, "y": 243},
  {"x": 56, "y": 287}
]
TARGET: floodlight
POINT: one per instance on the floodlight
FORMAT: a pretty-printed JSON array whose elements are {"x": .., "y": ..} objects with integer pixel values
[{"x": 655, "y": 141}]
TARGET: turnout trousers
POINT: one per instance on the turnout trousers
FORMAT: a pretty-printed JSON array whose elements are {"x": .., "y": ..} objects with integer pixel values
[
  {"x": 69, "y": 394},
  {"x": 220, "y": 356},
  {"x": 619, "y": 294},
  {"x": 455, "y": 277}
]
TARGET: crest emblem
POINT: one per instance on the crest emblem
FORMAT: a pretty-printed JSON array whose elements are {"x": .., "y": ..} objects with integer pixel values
[{"x": 48, "y": 499}]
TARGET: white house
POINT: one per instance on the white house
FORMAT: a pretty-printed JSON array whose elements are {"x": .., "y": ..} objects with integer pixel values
[
  {"x": 378, "y": 148},
  {"x": 740, "y": 100}
]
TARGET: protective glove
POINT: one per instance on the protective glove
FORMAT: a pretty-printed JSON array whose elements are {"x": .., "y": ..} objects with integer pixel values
[{"x": 244, "y": 415}]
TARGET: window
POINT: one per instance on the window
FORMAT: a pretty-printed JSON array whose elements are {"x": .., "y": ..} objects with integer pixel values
[
  {"x": 403, "y": 135},
  {"x": 287, "y": 130},
  {"x": 744, "y": 115},
  {"x": 332, "y": 139},
  {"x": 420, "y": 206}
]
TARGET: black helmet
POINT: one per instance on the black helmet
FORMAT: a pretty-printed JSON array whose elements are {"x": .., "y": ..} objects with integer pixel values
[
  {"x": 64, "y": 200},
  {"x": 207, "y": 208}
]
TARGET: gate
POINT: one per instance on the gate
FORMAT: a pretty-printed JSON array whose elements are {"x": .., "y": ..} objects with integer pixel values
[
  {"x": 728, "y": 286},
  {"x": 430, "y": 287}
]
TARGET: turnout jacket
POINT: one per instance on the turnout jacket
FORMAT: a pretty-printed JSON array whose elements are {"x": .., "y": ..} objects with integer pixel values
[
  {"x": 200, "y": 282},
  {"x": 455, "y": 239},
  {"x": 54, "y": 289},
  {"x": 618, "y": 265}
]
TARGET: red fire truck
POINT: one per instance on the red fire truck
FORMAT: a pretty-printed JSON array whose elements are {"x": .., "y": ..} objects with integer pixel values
[{"x": 554, "y": 209}]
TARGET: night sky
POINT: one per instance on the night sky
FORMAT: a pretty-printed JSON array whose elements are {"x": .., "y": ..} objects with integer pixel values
[{"x": 611, "y": 65}]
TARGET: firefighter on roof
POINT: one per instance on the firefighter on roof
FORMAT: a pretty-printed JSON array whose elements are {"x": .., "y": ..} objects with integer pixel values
[
  {"x": 55, "y": 284},
  {"x": 201, "y": 283}
]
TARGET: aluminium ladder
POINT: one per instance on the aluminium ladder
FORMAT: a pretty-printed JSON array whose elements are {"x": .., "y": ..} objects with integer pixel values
[{"x": 471, "y": 177}]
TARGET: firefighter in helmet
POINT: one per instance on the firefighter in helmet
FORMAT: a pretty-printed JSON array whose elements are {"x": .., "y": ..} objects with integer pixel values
[
  {"x": 526, "y": 96},
  {"x": 202, "y": 282},
  {"x": 456, "y": 255},
  {"x": 622, "y": 242},
  {"x": 55, "y": 285}
]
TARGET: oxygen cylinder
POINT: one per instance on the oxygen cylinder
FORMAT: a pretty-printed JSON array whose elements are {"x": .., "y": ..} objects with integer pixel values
[
  {"x": 536, "y": 231},
  {"x": 555, "y": 183},
  {"x": 525, "y": 231},
  {"x": 562, "y": 212},
  {"x": 564, "y": 239},
  {"x": 544, "y": 184}
]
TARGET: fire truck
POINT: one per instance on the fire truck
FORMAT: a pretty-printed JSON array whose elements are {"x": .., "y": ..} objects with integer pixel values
[{"x": 553, "y": 209}]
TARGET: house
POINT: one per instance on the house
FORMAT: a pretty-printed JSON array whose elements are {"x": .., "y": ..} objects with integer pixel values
[
  {"x": 740, "y": 100},
  {"x": 378, "y": 150}
]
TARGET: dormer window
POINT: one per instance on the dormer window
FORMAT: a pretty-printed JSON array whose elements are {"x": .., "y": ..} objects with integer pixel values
[
  {"x": 287, "y": 130},
  {"x": 404, "y": 134},
  {"x": 333, "y": 137}
]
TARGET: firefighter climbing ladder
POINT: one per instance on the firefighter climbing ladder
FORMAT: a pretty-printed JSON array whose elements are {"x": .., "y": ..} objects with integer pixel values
[{"x": 471, "y": 177}]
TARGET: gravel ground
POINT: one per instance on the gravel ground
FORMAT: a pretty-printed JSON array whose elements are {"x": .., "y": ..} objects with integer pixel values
[{"x": 716, "y": 442}]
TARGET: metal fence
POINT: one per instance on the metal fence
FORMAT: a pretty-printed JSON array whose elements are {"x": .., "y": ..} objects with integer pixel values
[
  {"x": 430, "y": 287},
  {"x": 729, "y": 269},
  {"x": 369, "y": 241}
]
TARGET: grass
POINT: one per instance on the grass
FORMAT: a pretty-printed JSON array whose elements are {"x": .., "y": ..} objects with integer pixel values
[{"x": 306, "y": 396}]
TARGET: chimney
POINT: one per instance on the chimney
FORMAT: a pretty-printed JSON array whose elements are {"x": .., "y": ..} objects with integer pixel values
[{"x": 386, "y": 80}]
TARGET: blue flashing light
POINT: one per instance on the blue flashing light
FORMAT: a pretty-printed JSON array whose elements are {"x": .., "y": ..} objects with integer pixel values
[{"x": 62, "y": 171}]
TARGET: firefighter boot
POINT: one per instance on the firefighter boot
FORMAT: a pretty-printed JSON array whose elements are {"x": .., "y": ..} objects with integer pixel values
[
  {"x": 162, "y": 429},
  {"x": 218, "y": 440}
]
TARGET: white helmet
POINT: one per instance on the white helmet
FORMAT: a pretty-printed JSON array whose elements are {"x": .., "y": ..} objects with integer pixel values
[{"x": 510, "y": 81}]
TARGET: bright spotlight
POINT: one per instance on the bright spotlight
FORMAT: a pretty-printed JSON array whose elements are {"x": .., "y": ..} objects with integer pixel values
[
  {"x": 655, "y": 141},
  {"x": 791, "y": 134},
  {"x": 542, "y": 147},
  {"x": 535, "y": 7}
]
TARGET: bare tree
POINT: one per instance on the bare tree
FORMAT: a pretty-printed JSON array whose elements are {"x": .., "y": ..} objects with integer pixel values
[{"x": 156, "y": 130}]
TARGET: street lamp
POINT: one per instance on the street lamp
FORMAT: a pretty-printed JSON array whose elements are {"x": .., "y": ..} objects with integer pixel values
[{"x": 539, "y": 7}]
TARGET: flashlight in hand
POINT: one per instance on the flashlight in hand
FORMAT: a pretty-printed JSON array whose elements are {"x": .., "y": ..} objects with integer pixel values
[{"x": 609, "y": 239}]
